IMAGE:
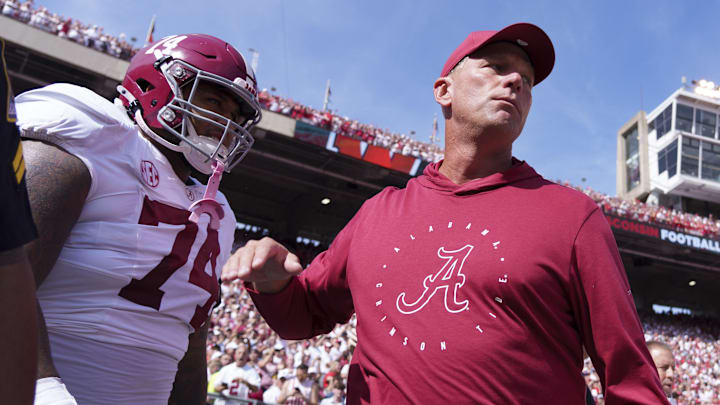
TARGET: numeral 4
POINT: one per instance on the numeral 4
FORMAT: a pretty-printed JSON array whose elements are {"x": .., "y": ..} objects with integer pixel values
[{"x": 146, "y": 291}]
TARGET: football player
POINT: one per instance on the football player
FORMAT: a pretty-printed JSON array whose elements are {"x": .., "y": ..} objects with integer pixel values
[
  {"x": 18, "y": 347},
  {"x": 127, "y": 275}
]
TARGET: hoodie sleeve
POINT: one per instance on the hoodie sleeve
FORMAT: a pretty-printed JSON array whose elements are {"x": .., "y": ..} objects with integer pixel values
[
  {"x": 607, "y": 318},
  {"x": 316, "y": 300}
]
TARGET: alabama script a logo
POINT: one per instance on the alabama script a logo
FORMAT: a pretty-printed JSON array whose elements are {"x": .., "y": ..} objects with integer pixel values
[{"x": 448, "y": 278}]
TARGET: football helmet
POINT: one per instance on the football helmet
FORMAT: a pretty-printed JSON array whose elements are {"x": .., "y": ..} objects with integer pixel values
[{"x": 159, "y": 92}]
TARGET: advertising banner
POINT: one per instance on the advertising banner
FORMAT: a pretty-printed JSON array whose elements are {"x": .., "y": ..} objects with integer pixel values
[{"x": 663, "y": 234}]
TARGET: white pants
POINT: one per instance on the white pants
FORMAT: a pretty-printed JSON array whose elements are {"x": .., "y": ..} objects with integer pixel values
[{"x": 102, "y": 373}]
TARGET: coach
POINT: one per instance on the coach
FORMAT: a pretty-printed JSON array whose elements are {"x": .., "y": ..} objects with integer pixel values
[{"x": 480, "y": 282}]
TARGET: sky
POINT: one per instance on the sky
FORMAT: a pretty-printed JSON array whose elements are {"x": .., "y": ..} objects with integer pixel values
[{"x": 613, "y": 59}]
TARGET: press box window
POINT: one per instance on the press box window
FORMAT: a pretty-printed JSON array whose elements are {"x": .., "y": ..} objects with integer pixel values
[
  {"x": 667, "y": 159},
  {"x": 710, "y": 161},
  {"x": 705, "y": 123},
  {"x": 690, "y": 155},
  {"x": 684, "y": 118},
  {"x": 632, "y": 157},
  {"x": 662, "y": 122}
]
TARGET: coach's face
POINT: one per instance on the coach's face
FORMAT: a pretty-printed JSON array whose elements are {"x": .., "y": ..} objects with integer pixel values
[{"x": 490, "y": 90}]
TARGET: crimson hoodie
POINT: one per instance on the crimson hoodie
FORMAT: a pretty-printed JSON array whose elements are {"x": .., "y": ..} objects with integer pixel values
[{"x": 481, "y": 293}]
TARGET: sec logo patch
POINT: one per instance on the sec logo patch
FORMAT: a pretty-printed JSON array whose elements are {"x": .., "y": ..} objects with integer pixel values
[{"x": 149, "y": 173}]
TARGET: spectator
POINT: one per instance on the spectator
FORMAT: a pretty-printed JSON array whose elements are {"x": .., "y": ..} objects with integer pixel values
[
  {"x": 301, "y": 390},
  {"x": 271, "y": 395},
  {"x": 214, "y": 367},
  {"x": 665, "y": 363},
  {"x": 237, "y": 380},
  {"x": 338, "y": 395}
]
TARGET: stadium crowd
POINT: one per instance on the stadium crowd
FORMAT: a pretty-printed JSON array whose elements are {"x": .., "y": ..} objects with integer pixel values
[
  {"x": 322, "y": 363},
  {"x": 698, "y": 225},
  {"x": 695, "y": 343},
  {"x": 317, "y": 367},
  {"x": 88, "y": 35},
  {"x": 397, "y": 143}
]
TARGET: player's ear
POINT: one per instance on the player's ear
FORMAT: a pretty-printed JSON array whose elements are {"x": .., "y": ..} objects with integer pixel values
[{"x": 442, "y": 90}]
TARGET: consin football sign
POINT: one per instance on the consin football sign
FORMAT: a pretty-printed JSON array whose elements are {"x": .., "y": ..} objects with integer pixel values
[
  {"x": 358, "y": 149},
  {"x": 663, "y": 234}
]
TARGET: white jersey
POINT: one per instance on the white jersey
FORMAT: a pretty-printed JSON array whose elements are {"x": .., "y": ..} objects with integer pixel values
[
  {"x": 134, "y": 270},
  {"x": 230, "y": 376}
]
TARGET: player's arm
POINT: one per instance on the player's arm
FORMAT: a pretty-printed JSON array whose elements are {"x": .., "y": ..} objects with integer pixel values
[
  {"x": 19, "y": 347},
  {"x": 190, "y": 386},
  {"x": 57, "y": 184}
]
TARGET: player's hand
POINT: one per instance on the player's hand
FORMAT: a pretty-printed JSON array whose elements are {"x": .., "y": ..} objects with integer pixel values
[{"x": 265, "y": 262}]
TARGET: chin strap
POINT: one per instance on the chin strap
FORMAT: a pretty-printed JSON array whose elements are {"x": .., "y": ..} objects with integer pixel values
[{"x": 208, "y": 204}]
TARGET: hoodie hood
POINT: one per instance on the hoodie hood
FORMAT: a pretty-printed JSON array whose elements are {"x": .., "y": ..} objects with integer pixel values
[{"x": 519, "y": 171}]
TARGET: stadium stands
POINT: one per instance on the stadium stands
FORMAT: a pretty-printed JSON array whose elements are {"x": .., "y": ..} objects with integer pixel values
[
  {"x": 639, "y": 211},
  {"x": 88, "y": 35},
  {"x": 93, "y": 36},
  {"x": 235, "y": 320},
  {"x": 396, "y": 143}
]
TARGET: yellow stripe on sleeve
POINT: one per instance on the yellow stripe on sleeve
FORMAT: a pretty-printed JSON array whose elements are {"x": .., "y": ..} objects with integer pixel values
[
  {"x": 20, "y": 172},
  {"x": 18, "y": 157}
]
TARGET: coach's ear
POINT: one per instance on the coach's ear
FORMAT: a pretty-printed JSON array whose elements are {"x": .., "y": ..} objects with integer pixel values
[{"x": 442, "y": 90}]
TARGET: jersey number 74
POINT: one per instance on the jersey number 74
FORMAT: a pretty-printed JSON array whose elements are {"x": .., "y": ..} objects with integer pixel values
[{"x": 146, "y": 291}]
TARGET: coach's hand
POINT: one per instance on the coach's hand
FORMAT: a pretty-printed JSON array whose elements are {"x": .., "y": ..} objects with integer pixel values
[{"x": 265, "y": 263}]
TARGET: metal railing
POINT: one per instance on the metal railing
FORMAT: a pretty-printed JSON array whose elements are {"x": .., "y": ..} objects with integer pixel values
[{"x": 215, "y": 395}]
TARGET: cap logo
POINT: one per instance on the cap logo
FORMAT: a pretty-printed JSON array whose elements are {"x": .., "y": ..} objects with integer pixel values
[{"x": 521, "y": 42}]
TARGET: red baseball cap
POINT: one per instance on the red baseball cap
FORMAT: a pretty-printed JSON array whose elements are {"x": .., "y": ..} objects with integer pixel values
[{"x": 533, "y": 40}]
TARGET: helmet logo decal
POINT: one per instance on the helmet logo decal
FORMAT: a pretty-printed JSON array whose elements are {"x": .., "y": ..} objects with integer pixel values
[
  {"x": 167, "y": 44},
  {"x": 149, "y": 173}
]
